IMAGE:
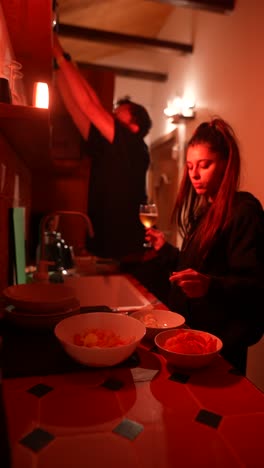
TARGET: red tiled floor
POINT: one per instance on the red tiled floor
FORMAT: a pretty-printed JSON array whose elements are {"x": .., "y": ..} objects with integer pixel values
[
  {"x": 225, "y": 393},
  {"x": 184, "y": 444},
  {"x": 77, "y": 409},
  {"x": 22, "y": 457},
  {"x": 22, "y": 410},
  {"x": 82, "y": 413},
  {"x": 97, "y": 450},
  {"x": 245, "y": 434}
]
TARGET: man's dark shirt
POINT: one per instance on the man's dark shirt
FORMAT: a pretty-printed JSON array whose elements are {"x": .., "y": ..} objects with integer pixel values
[{"x": 116, "y": 189}]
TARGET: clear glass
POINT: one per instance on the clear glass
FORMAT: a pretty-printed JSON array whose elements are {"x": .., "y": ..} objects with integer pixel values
[
  {"x": 16, "y": 83},
  {"x": 148, "y": 215}
]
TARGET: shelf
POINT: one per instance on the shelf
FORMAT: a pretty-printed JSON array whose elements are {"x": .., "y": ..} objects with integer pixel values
[
  {"x": 29, "y": 41},
  {"x": 29, "y": 27},
  {"x": 28, "y": 132}
]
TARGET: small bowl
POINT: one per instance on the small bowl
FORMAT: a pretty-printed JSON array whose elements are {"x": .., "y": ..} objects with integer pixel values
[
  {"x": 186, "y": 359},
  {"x": 40, "y": 297},
  {"x": 127, "y": 328},
  {"x": 157, "y": 320}
]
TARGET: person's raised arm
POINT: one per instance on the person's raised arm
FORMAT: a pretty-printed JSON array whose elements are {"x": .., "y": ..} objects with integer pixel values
[
  {"x": 81, "y": 121},
  {"x": 83, "y": 95}
]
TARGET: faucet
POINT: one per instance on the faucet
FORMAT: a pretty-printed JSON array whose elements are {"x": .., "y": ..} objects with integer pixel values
[{"x": 43, "y": 263}]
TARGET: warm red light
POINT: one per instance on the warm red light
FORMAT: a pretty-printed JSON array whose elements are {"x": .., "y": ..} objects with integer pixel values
[{"x": 41, "y": 95}]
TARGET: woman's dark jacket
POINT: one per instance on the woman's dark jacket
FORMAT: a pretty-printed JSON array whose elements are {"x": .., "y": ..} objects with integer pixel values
[{"x": 234, "y": 303}]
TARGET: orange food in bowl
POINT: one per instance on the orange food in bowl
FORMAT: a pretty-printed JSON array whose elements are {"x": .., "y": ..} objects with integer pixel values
[
  {"x": 188, "y": 342},
  {"x": 117, "y": 334},
  {"x": 101, "y": 338},
  {"x": 188, "y": 348}
]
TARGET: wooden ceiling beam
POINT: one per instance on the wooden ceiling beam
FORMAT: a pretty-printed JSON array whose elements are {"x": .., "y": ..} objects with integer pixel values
[
  {"x": 108, "y": 37},
  {"x": 128, "y": 72},
  {"x": 218, "y": 6}
]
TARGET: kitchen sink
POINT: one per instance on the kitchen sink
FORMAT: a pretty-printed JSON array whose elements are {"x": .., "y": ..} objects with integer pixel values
[
  {"x": 114, "y": 291},
  {"x": 91, "y": 265}
]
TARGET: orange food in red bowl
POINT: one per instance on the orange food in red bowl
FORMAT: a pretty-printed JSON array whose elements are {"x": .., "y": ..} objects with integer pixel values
[
  {"x": 188, "y": 348},
  {"x": 188, "y": 342}
]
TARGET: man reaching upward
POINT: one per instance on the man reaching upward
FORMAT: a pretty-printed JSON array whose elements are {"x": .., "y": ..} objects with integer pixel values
[{"x": 120, "y": 160}]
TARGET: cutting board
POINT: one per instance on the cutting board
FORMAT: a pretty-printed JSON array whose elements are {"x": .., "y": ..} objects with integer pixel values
[{"x": 18, "y": 225}]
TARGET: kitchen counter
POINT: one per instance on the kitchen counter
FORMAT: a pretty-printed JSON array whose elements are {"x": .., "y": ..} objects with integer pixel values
[{"x": 141, "y": 414}]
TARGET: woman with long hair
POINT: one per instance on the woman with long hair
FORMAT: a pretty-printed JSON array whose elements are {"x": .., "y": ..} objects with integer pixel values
[{"x": 217, "y": 276}]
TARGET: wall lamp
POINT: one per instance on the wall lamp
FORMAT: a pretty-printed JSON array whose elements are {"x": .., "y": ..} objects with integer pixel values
[
  {"x": 41, "y": 95},
  {"x": 180, "y": 109}
]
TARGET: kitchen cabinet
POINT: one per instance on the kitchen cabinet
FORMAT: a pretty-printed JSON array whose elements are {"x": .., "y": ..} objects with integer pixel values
[
  {"x": 27, "y": 129},
  {"x": 28, "y": 132},
  {"x": 43, "y": 139},
  {"x": 29, "y": 24}
]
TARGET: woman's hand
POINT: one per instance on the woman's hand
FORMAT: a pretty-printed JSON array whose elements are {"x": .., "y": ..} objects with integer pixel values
[
  {"x": 156, "y": 238},
  {"x": 192, "y": 283}
]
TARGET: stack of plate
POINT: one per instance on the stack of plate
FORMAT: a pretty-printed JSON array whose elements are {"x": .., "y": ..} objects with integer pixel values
[{"x": 39, "y": 305}]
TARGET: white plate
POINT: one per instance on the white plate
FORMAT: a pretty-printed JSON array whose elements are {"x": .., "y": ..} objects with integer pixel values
[
  {"x": 27, "y": 320},
  {"x": 40, "y": 297}
]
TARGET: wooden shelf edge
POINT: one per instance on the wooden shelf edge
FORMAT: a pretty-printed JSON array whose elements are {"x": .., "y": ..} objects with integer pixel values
[
  {"x": 11, "y": 111},
  {"x": 28, "y": 131}
]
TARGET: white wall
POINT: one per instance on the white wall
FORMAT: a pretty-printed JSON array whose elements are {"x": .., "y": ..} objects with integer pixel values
[{"x": 226, "y": 74}]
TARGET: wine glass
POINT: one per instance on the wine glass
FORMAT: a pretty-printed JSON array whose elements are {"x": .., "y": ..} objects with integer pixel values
[{"x": 148, "y": 215}]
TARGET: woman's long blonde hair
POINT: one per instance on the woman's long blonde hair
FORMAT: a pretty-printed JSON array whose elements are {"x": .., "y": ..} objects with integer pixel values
[{"x": 220, "y": 138}]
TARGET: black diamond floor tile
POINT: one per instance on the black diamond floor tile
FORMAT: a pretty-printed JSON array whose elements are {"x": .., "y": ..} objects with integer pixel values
[
  {"x": 209, "y": 418},
  {"x": 128, "y": 429},
  {"x": 178, "y": 377},
  {"x": 37, "y": 439},
  {"x": 113, "y": 384},
  {"x": 40, "y": 390}
]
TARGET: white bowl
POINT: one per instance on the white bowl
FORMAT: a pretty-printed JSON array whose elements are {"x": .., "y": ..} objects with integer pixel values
[
  {"x": 122, "y": 325},
  {"x": 40, "y": 297},
  {"x": 187, "y": 358},
  {"x": 157, "y": 320}
]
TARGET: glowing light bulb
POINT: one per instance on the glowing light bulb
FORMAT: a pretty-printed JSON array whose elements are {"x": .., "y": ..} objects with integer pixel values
[{"x": 41, "y": 95}]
